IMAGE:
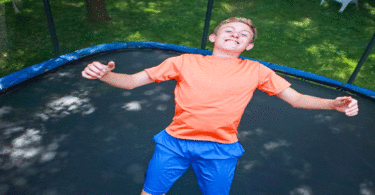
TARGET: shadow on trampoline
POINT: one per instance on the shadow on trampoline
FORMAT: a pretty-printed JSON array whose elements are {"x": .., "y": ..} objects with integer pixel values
[{"x": 63, "y": 134}]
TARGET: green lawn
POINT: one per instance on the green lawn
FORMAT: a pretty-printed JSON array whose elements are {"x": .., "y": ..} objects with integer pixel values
[{"x": 295, "y": 33}]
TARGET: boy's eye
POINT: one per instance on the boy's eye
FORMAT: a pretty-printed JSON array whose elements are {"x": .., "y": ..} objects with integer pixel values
[{"x": 245, "y": 34}]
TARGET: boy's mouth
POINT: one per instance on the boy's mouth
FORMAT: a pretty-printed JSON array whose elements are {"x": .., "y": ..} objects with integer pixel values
[{"x": 226, "y": 40}]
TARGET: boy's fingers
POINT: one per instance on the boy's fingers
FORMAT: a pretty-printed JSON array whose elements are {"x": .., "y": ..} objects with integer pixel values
[
  {"x": 347, "y": 100},
  {"x": 353, "y": 103},
  {"x": 94, "y": 70},
  {"x": 341, "y": 100},
  {"x": 351, "y": 111},
  {"x": 85, "y": 75},
  {"x": 111, "y": 65},
  {"x": 97, "y": 68},
  {"x": 91, "y": 73}
]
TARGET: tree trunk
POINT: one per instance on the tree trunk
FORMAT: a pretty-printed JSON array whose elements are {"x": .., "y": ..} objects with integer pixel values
[
  {"x": 3, "y": 36},
  {"x": 97, "y": 10}
]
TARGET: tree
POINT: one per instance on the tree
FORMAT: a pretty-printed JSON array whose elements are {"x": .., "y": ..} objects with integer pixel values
[{"x": 97, "y": 10}]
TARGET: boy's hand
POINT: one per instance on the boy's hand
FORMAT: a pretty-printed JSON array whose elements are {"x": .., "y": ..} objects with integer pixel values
[
  {"x": 348, "y": 105},
  {"x": 97, "y": 70}
]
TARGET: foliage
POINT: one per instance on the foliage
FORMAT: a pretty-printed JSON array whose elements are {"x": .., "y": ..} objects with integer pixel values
[
  {"x": 5, "y": 1},
  {"x": 300, "y": 34}
]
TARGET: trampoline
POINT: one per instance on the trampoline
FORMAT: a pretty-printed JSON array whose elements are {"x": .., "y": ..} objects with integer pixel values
[{"x": 63, "y": 134}]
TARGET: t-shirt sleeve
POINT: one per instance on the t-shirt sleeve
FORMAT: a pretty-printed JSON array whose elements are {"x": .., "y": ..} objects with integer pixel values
[
  {"x": 167, "y": 70},
  {"x": 270, "y": 82}
]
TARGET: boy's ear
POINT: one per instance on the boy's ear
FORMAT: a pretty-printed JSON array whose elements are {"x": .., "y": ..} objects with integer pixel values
[
  {"x": 212, "y": 38},
  {"x": 250, "y": 46}
]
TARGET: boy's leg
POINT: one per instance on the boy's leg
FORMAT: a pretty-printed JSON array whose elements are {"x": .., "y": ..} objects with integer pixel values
[
  {"x": 164, "y": 169},
  {"x": 215, "y": 176},
  {"x": 145, "y": 193}
]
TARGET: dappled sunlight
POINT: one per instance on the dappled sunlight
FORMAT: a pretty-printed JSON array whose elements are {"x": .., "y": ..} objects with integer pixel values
[
  {"x": 65, "y": 106},
  {"x": 302, "y": 190},
  {"x": 153, "y": 91},
  {"x": 9, "y": 131},
  {"x": 338, "y": 128},
  {"x": 301, "y": 30},
  {"x": 244, "y": 135},
  {"x": 274, "y": 145},
  {"x": 61, "y": 76},
  {"x": 273, "y": 155},
  {"x": 4, "y": 188},
  {"x": 227, "y": 7},
  {"x": 136, "y": 37},
  {"x": 333, "y": 62},
  {"x": 367, "y": 188},
  {"x": 27, "y": 149},
  {"x": 270, "y": 22},
  {"x": 303, "y": 173},
  {"x": 247, "y": 166},
  {"x": 137, "y": 173},
  {"x": 161, "y": 107},
  {"x": 127, "y": 93},
  {"x": 134, "y": 106},
  {"x": 305, "y": 23},
  {"x": 323, "y": 118},
  {"x": 369, "y": 7},
  {"x": 152, "y": 7},
  {"x": 75, "y": 4},
  {"x": 335, "y": 125},
  {"x": 5, "y": 110},
  {"x": 121, "y": 5},
  {"x": 163, "y": 97},
  {"x": 24, "y": 154},
  {"x": 157, "y": 96}
]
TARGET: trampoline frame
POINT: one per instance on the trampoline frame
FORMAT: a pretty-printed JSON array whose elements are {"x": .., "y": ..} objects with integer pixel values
[{"x": 37, "y": 69}]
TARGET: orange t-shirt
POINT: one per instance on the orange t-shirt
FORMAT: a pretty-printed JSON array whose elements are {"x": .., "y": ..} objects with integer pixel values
[{"x": 212, "y": 93}]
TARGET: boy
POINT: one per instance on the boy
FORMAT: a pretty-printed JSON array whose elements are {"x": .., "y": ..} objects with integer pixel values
[{"x": 211, "y": 95}]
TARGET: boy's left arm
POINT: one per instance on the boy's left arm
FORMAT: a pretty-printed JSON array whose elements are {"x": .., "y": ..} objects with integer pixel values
[{"x": 346, "y": 104}]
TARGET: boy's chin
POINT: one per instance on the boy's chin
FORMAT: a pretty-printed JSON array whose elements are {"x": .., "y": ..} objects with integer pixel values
[
  {"x": 232, "y": 49},
  {"x": 230, "y": 44}
]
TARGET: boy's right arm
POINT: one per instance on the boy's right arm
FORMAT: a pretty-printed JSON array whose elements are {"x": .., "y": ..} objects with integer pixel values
[{"x": 96, "y": 70}]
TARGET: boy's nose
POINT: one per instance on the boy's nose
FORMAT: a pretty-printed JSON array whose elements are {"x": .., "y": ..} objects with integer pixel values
[{"x": 235, "y": 34}]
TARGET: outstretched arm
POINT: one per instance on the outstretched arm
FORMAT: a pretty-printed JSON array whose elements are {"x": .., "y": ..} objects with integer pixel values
[
  {"x": 96, "y": 70},
  {"x": 348, "y": 105}
]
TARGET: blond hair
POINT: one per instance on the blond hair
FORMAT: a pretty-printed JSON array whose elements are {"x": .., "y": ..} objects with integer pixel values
[{"x": 239, "y": 19}]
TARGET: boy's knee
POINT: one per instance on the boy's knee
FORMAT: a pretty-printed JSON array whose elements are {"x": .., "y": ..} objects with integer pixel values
[{"x": 145, "y": 193}]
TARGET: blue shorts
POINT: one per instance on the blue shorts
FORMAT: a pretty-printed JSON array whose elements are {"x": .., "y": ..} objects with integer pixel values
[{"x": 213, "y": 164}]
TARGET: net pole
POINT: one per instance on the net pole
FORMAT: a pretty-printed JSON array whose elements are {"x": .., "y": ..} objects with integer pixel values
[
  {"x": 362, "y": 60},
  {"x": 51, "y": 27},
  {"x": 207, "y": 23}
]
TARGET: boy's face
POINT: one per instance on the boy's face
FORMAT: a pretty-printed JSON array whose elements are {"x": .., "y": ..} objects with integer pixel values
[{"x": 233, "y": 37}]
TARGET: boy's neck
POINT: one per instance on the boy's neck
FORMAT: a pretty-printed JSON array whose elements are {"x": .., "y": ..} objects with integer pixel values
[{"x": 225, "y": 54}]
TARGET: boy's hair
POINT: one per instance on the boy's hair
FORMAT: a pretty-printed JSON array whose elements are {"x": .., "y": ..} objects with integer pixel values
[{"x": 239, "y": 19}]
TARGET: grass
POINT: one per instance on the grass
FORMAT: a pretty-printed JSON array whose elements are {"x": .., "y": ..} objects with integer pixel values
[{"x": 295, "y": 33}]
